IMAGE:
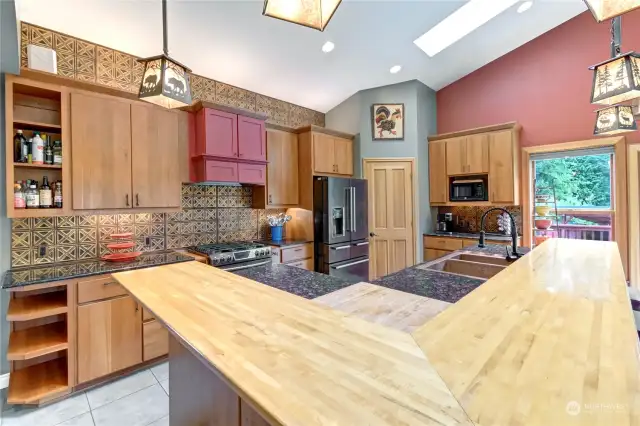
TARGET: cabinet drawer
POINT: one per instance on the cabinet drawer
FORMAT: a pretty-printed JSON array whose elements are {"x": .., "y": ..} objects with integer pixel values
[
  {"x": 147, "y": 315},
  {"x": 252, "y": 173},
  {"x": 303, "y": 264},
  {"x": 432, "y": 254},
  {"x": 442, "y": 243},
  {"x": 221, "y": 171},
  {"x": 155, "y": 340},
  {"x": 99, "y": 288},
  {"x": 290, "y": 254}
]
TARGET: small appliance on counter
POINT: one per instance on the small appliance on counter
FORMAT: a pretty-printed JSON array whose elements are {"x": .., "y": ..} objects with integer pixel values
[
  {"x": 468, "y": 189},
  {"x": 341, "y": 228},
  {"x": 445, "y": 222},
  {"x": 235, "y": 256}
]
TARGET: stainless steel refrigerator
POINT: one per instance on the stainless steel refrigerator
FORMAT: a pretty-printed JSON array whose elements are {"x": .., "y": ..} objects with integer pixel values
[{"x": 340, "y": 215}]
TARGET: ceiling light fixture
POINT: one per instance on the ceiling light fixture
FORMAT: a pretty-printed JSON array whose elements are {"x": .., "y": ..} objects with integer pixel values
[
  {"x": 525, "y": 6},
  {"x": 614, "y": 120},
  {"x": 328, "y": 47},
  {"x": 165, "y": 82},
  {"x": 607, "y": 9},
  {"x": 463, "y": 21},
  {"x": 310, "y": 13},
  {"x": 395, "y": 69}
]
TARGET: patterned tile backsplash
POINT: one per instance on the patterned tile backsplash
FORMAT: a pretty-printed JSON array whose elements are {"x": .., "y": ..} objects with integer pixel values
[
  {"x": 85, "y": 61},
  {"x": 210, "y": 214},
  {"x": 469, "y": 217}
]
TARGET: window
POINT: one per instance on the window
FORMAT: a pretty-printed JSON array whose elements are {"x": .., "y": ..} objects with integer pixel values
[{"x": 577, "y": 188}]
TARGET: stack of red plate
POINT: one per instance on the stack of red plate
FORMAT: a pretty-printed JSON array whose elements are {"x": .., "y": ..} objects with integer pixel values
[{"x": 121, "y": 249}]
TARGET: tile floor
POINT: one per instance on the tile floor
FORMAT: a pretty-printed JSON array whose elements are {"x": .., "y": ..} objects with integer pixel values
[{"x": 139, "y": 399}]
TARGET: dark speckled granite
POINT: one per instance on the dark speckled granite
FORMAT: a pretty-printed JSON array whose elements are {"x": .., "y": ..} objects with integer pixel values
[
  {"x": 469, "y": 235},
  {"x": 64, "y": 271},
  {"x": 296, "y": 281},
  {"x": 282, "y": 243}
]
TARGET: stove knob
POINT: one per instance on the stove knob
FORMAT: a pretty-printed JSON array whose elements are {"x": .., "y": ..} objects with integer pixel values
[
  {"x": 229, "y": 258},
  {"x": 216, "y": 260}
]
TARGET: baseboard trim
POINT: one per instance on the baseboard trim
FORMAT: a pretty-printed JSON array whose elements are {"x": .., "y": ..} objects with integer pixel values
[{"x": 4, "y": 381}]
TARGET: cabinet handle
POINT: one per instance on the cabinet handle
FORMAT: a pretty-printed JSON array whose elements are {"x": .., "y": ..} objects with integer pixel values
[
  {"x": 137, "y": 200},
  {"x": 108, "y": 283},
  {"x": 137, "y": 307},
  {"x": 235, "y": 154},
  {"x": 127, "y": 200},
  {"x": 240, "y": 155}
]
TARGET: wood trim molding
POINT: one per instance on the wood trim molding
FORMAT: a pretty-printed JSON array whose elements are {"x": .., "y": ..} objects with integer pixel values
[
  {"x": 621, "y": 197},
  {"x": 318, "y": 129},
  {"x": 197, "y": 106},
  {"x": 512, "y": 125},
  {"x": 633, "y": 189},
  {"x": 282, "y": 128}
]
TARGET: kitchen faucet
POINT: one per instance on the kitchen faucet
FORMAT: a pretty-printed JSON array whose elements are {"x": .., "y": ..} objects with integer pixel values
[{"x": 514, "y": 235}]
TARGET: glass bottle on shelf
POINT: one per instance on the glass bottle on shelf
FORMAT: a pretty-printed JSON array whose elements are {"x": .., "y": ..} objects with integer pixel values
[
  {"x": 45, "y": 194},
  {"x": 57, "y": 153},
  {"x": 19, "y": 144},
  {"x": 32, "y": 197},
  {"x": 48, "y": 154},
  {"x": 37, "y": 149},
  {"x": 19, "y": 201},
  {"x": 57, "y": 197}
]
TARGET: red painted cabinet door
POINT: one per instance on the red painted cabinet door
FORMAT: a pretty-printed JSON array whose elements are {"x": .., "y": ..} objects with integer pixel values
[
  {"x": 251, "y": 139},
  {"x": 221, "y": 171},
  {"x": 221, "y": 133},
  {"x": 252, "y": 173}
]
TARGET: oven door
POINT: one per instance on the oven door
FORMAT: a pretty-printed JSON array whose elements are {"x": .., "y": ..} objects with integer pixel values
[
  {"x": 352, "y": 269},
  {"x": 244, "y": 265}
]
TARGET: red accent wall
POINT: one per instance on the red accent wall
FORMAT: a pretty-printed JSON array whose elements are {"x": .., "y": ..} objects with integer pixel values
[{"x": 545, "y": 84}]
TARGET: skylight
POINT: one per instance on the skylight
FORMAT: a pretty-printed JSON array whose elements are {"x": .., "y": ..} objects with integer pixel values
[{"x": 460, "y": 23}]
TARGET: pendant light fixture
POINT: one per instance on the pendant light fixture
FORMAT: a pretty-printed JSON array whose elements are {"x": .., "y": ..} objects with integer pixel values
[
  {"x": 607, "y": 9},
  {"x": 310, "y": 13},
  {"x": 165, "y": 81},
  {"x": 614, "y": 120}
]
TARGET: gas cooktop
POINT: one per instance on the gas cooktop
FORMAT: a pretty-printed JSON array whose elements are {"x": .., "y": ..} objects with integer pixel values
[{"x": 226, "y": 254}]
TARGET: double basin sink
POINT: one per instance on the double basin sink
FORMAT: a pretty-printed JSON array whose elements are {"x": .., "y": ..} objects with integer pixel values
[{"x": 469, "y": 265}]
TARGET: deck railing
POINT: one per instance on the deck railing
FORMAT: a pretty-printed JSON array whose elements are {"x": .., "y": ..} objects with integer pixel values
[{"x": 585, "y": 232}]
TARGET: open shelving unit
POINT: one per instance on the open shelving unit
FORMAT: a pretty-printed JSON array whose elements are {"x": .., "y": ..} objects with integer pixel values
[
  {"x": 36, "y": 107},
  {"x": 544, "y": 196},
  {"x": 39, "y": 344}
]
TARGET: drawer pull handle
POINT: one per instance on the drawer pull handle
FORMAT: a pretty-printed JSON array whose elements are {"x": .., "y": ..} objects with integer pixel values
[
  {"x": 340, "y": 248},
  {"x": 109, "y": 283},
  {"x": 366, "y": 243},
  {"x": 298, "y": 249}
]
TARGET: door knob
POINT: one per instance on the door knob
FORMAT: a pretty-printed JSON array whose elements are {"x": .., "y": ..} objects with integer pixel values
[{"x": 371, "y": 234}]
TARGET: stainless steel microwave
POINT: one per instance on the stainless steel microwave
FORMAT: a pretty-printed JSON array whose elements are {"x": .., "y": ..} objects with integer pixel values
[{"x": 468, "y": 190}]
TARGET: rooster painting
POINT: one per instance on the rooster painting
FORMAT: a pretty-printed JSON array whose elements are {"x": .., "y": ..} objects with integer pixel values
[{"x": 388, "y": 122}]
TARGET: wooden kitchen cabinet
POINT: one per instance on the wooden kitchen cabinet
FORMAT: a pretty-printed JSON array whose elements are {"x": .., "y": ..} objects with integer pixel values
[
  {"x": 281, "y": 189},
  {"x": 217, "y": 133},
  {"x": 101, "y": 152},
  {"x": 251, "y": 139},
  {"x": 324, "y": 156},
  {"x": 456, "y": 156},
  {"x": 155, "y": 340},
  {"x": 343, "y": 149},
  {"x": 109, "y": 337},
  {"x": 467, "y": 155},
  {"x": 433, "y": 254},
  {"x": 438, "y": 180},
  {"x": 503, "y": 186},
  {"x": 156, "y": 179}
]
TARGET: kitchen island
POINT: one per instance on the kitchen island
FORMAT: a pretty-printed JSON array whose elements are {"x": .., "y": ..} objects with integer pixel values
[{"x": 548, "y": 341}]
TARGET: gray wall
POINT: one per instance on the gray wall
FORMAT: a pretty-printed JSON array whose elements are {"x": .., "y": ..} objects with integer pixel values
[
  {"x": 9, "y": 63},
  {"x": 354, "y": 116}
]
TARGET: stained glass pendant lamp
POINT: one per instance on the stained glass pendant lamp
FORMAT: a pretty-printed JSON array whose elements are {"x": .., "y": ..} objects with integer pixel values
[
  {"x": 607, "y": 9},
  {"x": 165, "y": 81},
  {"x": 615, "y": 119},
  {"x": 310, "y": 13}
]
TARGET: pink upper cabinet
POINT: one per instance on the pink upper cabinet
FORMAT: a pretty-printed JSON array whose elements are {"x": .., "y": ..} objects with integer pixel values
[
  {"x": 216, "y": 133},
  {"x": 251, "y": 139}
]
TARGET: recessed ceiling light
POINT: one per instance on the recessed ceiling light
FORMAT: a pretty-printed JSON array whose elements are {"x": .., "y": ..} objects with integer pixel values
[
  {"x": 328, "y": 47},
  {"x": 525, "y": 6},
  {"x": 467, "y": 18},
  {"x": 395, "y": 69}
]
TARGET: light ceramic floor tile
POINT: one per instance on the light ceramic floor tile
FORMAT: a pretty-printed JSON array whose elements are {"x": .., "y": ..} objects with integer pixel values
[
  {"x": 162, "y": 422},
  {"x": 138, "y": 409},
  {"x": 49, "y": 415},
  {"x": 120, "y": 388},
  {"x": 165, "y": 386},
  {"x": 161, "y": 371},
  {"x": 82, "y": 420}
]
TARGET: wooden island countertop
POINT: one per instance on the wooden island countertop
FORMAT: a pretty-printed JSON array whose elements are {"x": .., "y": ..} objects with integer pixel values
[{"x": 549, "y": 341}]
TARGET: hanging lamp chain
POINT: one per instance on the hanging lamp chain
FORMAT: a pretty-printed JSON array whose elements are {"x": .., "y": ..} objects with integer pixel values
[
  {"x": 165, "y": 42},
  {"x": 616, "y": 36}
]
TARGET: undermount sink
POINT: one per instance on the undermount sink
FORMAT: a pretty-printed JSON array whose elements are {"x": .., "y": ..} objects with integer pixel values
[{"x": 470, "y": 265}]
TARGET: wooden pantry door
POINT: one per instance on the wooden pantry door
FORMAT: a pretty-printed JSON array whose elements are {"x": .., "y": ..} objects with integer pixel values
[{"x": 391, "y": 214}]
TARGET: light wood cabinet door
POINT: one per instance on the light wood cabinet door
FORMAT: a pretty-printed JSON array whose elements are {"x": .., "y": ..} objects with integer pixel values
[
  {"x": 109, "y": 337},
  {"x": 343, "y": 151},
  {"x": 433, "y": 254},
  {"x": 282, "y": 170},
  {"x": 101, "y": 150},
  {"x": 456, "y": 156},
  {"x": 155, "y": 170},
  {"x": 477, "y": 154},
  {"x": 323, "y": 153},
  {"x": 501, "y": 168},
  {"x": 155, "y": 340},
  {"x": 438, "y": 180}
]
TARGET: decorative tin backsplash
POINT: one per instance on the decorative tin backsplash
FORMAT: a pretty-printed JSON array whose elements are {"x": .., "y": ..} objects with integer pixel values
[
  {"x": 210, "y": 214},
  {"x": 90, "y": 62},
  {"x": 469, "y": 217}
]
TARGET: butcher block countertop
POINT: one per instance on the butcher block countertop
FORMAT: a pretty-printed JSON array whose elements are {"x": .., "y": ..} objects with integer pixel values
[
  {"x": 549, "y": 341},
  {"x": 295, "y": 361}
]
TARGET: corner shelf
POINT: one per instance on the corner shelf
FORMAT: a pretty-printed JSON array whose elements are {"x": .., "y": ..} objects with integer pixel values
[
  {"x": 37, "y": 166},
  {"x": 36, "y": 125},
  {"x": 22, "y": 213},
  {"x": 37, "y": 341},
  {"x": 37, "y": 306},
  {"x": 44, "y": 381}
]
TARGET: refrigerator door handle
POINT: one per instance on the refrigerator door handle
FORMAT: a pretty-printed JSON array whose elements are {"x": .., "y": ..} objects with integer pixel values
[
  {"x": 350, "y": 264},
  {"x": 347, "y": 202},
  {"x": 353, "y": 209}
]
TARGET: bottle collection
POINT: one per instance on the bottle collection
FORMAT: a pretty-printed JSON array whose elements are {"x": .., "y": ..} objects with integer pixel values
[
  {"x": 28, "y": 194},
  {"x": 39, "y": 149}
]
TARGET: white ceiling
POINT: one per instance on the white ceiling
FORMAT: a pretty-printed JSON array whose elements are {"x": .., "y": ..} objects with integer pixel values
[{"x": 231, "y": 41}]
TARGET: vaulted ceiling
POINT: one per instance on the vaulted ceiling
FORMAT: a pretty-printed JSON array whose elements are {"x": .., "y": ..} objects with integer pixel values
[{"x": 231, "y": 41}]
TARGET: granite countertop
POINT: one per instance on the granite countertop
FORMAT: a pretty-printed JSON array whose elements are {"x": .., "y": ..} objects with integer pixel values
[
  {"x": 64, "y": 271},
  {"x": 470, "y": 235},
  {"x": 303, "y": 283},
  {"x": 283, "y": 243}
]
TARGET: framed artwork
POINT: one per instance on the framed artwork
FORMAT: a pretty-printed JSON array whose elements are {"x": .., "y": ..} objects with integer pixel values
[{"x": 387, "y": 121}]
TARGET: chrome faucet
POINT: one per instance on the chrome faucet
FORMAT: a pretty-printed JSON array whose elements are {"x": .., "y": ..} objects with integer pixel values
[{"x": 514, "y": 255}]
